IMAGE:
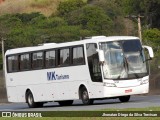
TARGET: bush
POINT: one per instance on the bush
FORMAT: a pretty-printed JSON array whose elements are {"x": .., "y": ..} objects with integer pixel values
[
  {"x": 152, "y": 38},
  {"x": 69, "y": 5}
]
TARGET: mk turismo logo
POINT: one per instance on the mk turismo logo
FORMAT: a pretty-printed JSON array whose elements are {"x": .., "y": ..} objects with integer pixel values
[{"x": 54, "y": 76}]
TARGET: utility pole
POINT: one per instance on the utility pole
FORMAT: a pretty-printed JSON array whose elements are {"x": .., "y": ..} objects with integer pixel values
[
  {"x": 3, "y": 56},
  {"x": 138, "y": 19},
  {"x": 139, "y": 26}
]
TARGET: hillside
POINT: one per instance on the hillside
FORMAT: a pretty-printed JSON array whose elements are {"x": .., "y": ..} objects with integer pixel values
[
  {"x": 46, "y": 7},
  {"x": 77, "y": 19}
]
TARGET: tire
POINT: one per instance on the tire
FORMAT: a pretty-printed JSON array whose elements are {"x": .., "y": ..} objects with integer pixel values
[
  {"x": 85, "y": 97},
  {"x": 124, "y": 98},
  {"x": 30, "y": 101},
  {"x": 66, "y": 103}
]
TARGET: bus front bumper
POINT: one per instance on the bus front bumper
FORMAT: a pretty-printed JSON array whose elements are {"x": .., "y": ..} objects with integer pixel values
[{"x": 120, "y": 91}]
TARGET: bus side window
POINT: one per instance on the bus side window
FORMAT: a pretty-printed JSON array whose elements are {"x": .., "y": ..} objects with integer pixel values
[
  {"x": 50, "y": 59},
  {"x": 78, "y": 55},
  {"x": 93, "y": 62},
  {"x": 25, "y": 62},
  {"x": 13, "y": 63},
  {"x": 64, "y": 57},
  {"x": 9, "y": 64},
  {"x": 37, "y": 60}
]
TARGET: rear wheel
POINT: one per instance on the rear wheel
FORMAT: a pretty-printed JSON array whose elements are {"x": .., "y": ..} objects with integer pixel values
[
  {"x": 66, "y": 103},
  {"x": 85, "y": 97},
  {"x": 30, "y": 101},
  {"x": 124, "y": 98}
]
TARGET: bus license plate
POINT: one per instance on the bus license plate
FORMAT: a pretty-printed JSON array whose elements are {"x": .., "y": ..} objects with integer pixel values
[{"x": 128, "y": 91}]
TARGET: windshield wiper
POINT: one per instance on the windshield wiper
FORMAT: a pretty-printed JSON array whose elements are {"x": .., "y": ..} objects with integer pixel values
[
  {"x": 141, "y": 54},
  {"x": 126, "y": 62},
  {"x": 127, "y": 65}
]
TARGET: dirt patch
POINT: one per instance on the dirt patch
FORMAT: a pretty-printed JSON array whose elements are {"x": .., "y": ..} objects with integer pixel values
[{"x": 3, "y": 95}]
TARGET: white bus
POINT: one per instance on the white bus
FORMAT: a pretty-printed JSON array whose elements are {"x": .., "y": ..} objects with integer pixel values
[{"x": 95, "y": 68}]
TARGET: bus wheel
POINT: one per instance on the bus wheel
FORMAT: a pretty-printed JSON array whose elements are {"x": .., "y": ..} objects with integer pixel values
[
  {"x": 66, "y": 103},
  {"x": 85, "y": 97},
  {"x": 124, "y": 98},
  {"x": 30, "y": 101}
]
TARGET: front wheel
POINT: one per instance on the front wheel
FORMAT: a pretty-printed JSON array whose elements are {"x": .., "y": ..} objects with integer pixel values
[
  {"x": 124, "y": 98},
  {"x": 30, "y": 101},
  {"x": 85, "y": 97}
]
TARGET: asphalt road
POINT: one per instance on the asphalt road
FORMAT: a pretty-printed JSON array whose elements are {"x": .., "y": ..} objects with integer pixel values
[{"x": 138, "y": 101}]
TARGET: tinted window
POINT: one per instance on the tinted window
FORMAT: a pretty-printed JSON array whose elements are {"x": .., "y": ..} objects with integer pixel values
[
  {"x": 131, "y": 46},
  {"x": 25, "y": 62},
  {"x": 37, "y": 60},
  {"x": 50, "y": 59},
  {"x": 78, "y": 56},
  {"x": 64, "y": 57},
  {"x": 93, "y": 63},
  {"x": 13, "y": 64}
]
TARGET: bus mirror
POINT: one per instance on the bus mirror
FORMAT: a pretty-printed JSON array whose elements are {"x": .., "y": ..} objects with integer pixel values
[
  {"x": 101, "y": 56},
  {"x": 150, "y": 51}
]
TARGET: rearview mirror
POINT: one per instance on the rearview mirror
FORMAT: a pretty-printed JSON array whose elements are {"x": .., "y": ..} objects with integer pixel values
[
  {"x": 150, "y": 51},
  {"x": 101, "y": 55}
]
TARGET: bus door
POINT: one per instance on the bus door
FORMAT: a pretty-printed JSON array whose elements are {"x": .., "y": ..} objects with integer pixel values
[{"x": 96, "y": 84}]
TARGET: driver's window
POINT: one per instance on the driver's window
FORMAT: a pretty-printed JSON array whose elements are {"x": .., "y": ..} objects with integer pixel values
[{"x": 93, "y": 62}]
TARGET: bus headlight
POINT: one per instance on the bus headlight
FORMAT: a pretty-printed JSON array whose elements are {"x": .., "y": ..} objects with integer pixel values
[
  {"x": 144, "y": 81},
  {"x": 109, "y": 84}
]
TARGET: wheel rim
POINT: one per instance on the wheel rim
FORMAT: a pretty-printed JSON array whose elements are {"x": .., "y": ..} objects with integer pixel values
[
  {"x": 85, "y": 96},
  {"x": 30, "y": 99}
]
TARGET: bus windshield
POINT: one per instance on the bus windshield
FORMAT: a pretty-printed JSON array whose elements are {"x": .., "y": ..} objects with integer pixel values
[{"x": 123, "y": 60}]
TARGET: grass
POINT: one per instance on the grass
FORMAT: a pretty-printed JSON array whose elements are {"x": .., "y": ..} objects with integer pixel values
[
  {"x": 41, "y": 3},
  {"x": 85, "y": 118},
  {"x": 98, "y": 118},
  {"x": 135, "y": 109},
  {"x": 46, "y": 7},
  {"x": 63, "y": 118}
]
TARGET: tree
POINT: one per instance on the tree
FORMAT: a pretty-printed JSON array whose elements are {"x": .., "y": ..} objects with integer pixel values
[
  {"x": 149, "y": 8},
  {"x": 48, "y": 22},
  {"x": 26, "y": 18},
  {"x": 152, "y": 38},
  {"x": 91, "y": 18},
  {"x": 67, "y": 6}
]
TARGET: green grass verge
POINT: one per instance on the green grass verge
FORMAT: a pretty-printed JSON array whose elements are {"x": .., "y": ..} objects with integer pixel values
[
  {"x": 98, "y": 118},
  {"x": 134, "y": 109},
  {"x": 84, "y": 118}
]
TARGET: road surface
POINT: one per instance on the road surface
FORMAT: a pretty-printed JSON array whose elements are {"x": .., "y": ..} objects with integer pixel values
[{"x": 138, "y": 101}]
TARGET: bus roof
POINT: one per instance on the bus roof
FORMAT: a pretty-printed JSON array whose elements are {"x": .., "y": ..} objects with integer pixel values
[{"x": 94, "y": 39}]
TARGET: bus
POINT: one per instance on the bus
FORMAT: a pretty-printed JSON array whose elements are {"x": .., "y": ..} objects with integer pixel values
[{"x": 95, "y": 68}]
